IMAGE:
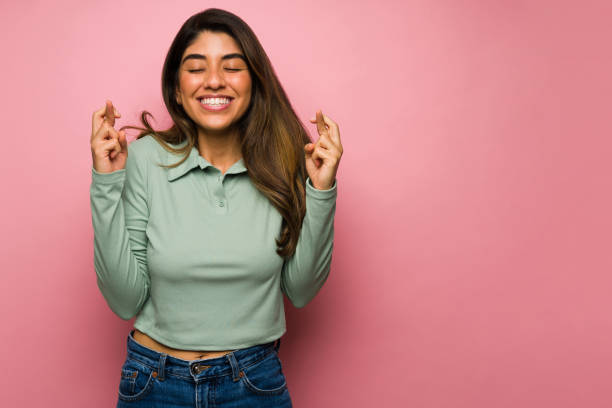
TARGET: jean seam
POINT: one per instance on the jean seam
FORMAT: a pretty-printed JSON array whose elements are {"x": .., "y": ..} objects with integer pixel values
[{"x": 146, "y": 389}]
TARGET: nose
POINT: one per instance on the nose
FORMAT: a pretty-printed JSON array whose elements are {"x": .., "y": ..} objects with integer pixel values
[{"x": 214, "y": 78}]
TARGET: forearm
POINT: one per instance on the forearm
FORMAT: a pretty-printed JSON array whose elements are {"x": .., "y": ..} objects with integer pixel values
[
  {"x": 307, "y": 270},
  {"x": 119, "y": 258}
]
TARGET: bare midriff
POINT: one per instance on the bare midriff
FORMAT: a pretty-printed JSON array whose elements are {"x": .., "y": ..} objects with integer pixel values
[{"x": 188, "y": 355}]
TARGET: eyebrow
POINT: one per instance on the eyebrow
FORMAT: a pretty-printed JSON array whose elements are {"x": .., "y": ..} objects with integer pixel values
[{"x": 203, "y": 57}]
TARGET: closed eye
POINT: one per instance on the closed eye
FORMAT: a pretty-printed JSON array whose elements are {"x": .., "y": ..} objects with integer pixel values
[{"x": 200, "y": 70}]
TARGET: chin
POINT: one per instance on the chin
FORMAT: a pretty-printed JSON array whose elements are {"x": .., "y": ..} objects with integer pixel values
[{"x": 217, "y": 128}]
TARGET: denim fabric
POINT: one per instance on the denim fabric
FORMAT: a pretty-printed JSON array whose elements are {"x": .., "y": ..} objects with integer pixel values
[{"x": 248, "y": 377}]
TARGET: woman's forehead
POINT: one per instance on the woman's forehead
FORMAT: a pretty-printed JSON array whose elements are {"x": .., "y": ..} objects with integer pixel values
[{"x": 213, "y": 45}]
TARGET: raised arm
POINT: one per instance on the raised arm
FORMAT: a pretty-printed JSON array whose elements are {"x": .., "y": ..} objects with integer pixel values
[
  {"x": 119, "y": 216},
  {"x": 306, "y": 271}
]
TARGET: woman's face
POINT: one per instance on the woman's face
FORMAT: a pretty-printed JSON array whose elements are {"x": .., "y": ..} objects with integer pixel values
[{"x": 214, "y": 82}]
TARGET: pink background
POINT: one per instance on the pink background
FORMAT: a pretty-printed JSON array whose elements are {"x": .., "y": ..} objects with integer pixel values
[{"x": 472, "y": 256}]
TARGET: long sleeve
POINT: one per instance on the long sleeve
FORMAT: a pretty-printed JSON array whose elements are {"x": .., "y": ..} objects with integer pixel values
[
  {"x": 306, "y": 271},
  {"x": 119, "y": 216}
]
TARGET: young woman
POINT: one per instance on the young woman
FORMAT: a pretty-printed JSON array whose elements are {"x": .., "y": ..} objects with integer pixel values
[{"x": 201, "y": 228}]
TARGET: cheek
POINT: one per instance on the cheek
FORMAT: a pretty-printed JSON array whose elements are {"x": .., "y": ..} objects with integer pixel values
[
  {"x": 243, "y": 85},
  {"x": 187, "y": 83}
]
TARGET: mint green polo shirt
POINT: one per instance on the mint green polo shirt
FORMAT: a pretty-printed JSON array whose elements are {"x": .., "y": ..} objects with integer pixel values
[{"x": 191, "y": 252}]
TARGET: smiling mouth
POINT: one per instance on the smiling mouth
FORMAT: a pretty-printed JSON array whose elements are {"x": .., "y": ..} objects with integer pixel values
[{"x": 215, "y": 104}]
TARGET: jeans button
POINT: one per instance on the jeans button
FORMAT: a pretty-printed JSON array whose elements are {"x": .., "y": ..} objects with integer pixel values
[{"x": 198, "y": 368}]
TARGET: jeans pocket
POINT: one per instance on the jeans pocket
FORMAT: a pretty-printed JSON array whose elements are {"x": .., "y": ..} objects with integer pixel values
[
  {"x": 265, "y": 377},
  {"x": 136, "y": 381}
]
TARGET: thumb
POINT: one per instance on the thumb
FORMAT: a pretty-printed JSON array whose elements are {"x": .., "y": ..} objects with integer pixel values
[{"x": 308, "y": 149}]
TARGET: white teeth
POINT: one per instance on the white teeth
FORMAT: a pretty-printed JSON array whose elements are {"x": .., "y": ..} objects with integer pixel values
[{"x": 215, "y": 101}]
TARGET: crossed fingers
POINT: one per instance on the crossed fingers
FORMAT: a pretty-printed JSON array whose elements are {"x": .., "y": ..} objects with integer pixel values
[{"x": 329, "y": 133}]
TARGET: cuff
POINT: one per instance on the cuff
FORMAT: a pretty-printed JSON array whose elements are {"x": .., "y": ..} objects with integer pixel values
[
  {"x": 107, "y": 178},
  {"x": 311, "y": 191}
]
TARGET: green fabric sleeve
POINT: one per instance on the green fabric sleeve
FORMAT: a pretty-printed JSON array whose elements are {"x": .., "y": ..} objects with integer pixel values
[
  {"x": 119, "y": 216},
  {"x": 306, "y": 271}
]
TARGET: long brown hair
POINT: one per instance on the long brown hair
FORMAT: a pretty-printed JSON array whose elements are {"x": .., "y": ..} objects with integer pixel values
[{"x": 272, "y": 137}]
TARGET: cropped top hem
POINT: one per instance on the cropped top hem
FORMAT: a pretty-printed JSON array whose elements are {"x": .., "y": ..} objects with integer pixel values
[{"x": 211, "y": 347}]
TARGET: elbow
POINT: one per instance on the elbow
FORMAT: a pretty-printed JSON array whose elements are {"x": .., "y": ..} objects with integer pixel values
[
  {"x": 299, "y": 296},
  {"x": 120, "y": 304},
  {"x": 300, "y": 302},
  {"x": 302, "y": 293},
  {"x": 301, "y": 287},
  {"x": 124, "y": 314},
  {"x": 124, "y": 311},
  {"x": 298, "y": 299}
]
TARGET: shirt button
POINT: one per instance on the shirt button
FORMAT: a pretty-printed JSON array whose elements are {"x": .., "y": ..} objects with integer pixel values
[{"x": 221, "y": 204}]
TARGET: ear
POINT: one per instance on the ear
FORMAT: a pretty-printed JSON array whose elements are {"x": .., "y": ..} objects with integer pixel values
[{"x": 179, "y": 100}]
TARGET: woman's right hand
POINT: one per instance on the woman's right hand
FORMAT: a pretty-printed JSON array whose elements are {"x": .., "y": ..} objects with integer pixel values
[{"x": 109, "y": 148}]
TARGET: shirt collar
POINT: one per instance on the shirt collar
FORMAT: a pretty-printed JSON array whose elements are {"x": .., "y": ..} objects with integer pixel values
[{"x": 193, "y": 160}]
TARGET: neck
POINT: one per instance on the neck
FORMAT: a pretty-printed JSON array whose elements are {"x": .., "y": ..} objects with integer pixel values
[{"x": 220, "y": 150}]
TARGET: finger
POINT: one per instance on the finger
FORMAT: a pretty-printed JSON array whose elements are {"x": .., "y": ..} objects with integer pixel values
[
  {"x": 100, "y": 112},
  {"x": 123, "y": 139},
  {"x": 324, "y": 142},
  {"x": 121, "y": 144},
  {"x": 331, "y": 154},
  {"x": 98, "y": 117},
  {"x": 321, "y": 128},
  {"x": 332, "y": 133},
  {"x": 113, "y": 133},
  {"x": 112, "y": 146},
  {"x": 311, "y": 146},
  {"x": 106, "y": 132},
  {"x": 115, "y": 152},
  {"x": 321, "y": 154},
  {"x": 103, "y": 133},
  {"x": 310, "y": 155},
  {"x": 334, "y": 130},
  {"x": 109, "y": 114}
]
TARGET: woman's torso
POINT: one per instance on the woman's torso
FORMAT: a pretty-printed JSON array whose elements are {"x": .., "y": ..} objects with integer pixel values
[
  {"x": 211, "y": 260},
  {"x": 188, "y": 355}
]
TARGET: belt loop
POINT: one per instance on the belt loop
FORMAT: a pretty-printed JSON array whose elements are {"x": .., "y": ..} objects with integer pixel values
[
  {"x": 162, "y": 366},
  {"x": 236, "y": 373},
  {"x": 277, "y": 345}
]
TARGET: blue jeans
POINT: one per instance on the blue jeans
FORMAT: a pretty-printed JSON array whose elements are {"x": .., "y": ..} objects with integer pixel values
[{"x": 248, "y": 377}]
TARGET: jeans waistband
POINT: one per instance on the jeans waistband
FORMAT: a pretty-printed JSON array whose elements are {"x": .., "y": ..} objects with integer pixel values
[{"x": 230, "y": 363}]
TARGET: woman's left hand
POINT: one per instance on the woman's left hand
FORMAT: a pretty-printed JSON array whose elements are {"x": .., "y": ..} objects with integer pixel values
[{"x": 323, "y": 157}]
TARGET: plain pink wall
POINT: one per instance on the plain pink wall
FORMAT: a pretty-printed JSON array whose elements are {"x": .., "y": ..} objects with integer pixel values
[{"x": 472, "y": 257}]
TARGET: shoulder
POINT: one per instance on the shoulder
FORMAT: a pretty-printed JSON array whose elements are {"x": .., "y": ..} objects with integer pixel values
[
  {"x": 143, "y": 146},
  {"x": 147, "y": 150}
]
